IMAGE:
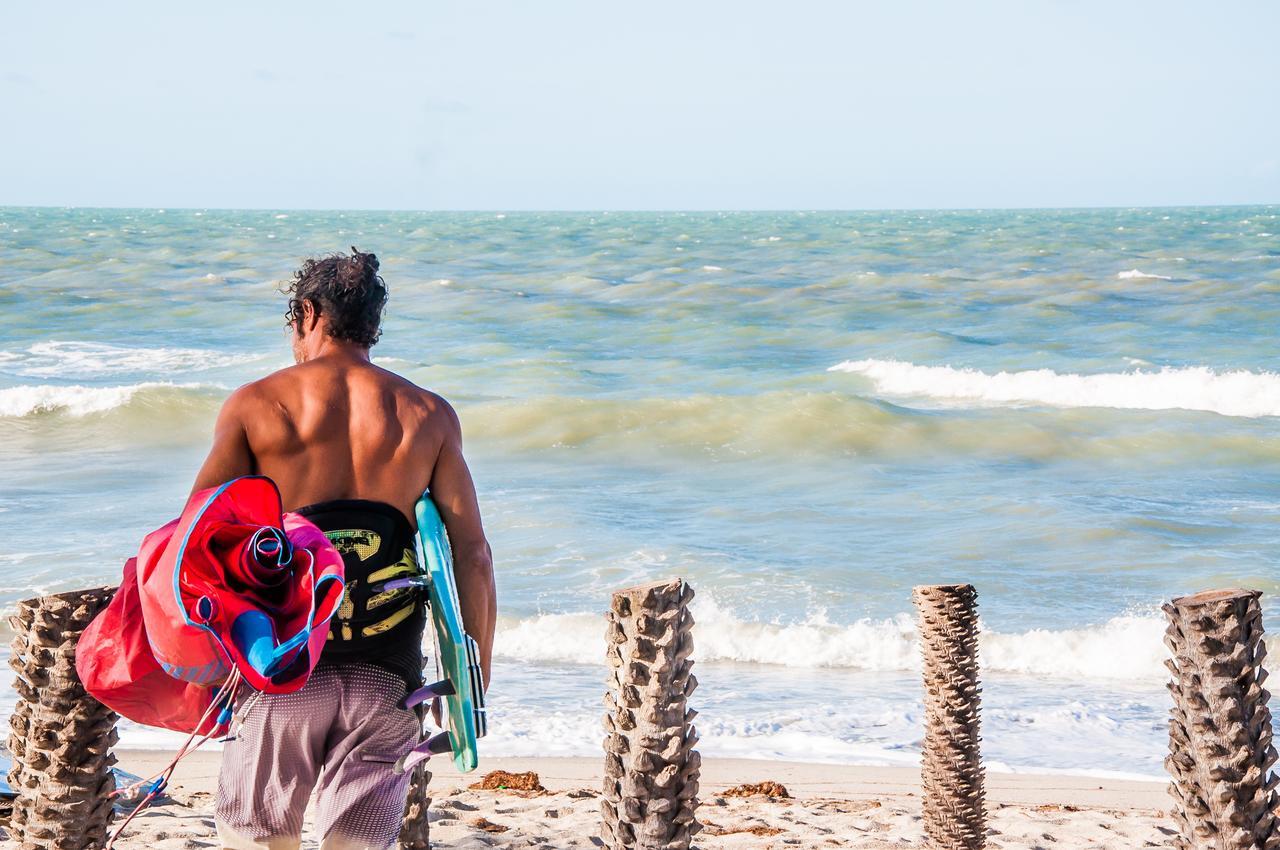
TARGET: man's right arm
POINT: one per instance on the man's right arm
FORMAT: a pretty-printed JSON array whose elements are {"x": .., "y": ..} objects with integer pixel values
[{"x": 455, "y": 495}]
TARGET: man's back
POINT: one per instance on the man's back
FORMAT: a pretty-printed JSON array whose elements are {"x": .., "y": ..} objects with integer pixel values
[{"x": 342, "y": 428}]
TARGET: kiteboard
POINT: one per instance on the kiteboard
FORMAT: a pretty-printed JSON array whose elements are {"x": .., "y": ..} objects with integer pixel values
[{"x": 460, "y": 683}]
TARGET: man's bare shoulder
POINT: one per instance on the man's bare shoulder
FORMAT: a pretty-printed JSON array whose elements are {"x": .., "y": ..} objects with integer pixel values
[
  {"x": 243, "y": 404},
  {"x": 258, "y": 398},
  {"x": 430, "y": 405}
]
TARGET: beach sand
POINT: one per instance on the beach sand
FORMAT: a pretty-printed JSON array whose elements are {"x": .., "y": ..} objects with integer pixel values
[{"x": 833, "y": 806}]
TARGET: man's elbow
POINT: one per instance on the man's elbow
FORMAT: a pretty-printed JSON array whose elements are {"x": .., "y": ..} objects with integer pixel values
[{"x": 475, "y": 560}]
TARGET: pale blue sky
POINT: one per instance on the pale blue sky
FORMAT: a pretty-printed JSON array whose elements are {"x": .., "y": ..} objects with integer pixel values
[{"x": 654, "y": 105}]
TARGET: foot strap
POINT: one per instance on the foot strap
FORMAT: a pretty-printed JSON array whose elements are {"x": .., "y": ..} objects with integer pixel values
[
  {"x": 442, "y": 688},
  {"x": 433, "y": 746}
]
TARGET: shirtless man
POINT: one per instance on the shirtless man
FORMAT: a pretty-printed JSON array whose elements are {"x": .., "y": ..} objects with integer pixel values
[{"x": 351, "y": 446}]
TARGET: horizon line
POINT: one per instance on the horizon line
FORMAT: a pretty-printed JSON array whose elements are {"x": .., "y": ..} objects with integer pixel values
[{"x": 628, "y": 210}]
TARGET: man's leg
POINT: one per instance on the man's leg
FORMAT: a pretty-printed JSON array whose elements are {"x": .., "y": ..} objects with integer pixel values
[
  {"x": 360, "y": 801},
  {"x": 268, "y": 771}
]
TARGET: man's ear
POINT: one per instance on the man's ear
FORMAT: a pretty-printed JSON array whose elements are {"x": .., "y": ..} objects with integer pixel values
[{"x": 310, "y": 316}]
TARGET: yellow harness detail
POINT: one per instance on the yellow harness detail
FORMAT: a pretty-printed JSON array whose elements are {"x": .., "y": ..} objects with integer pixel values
[{"x": 364, "y": 545}]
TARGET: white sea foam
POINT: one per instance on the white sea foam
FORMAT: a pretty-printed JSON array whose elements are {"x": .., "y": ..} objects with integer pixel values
[
  {"x": 1230, "y": 393},
  {"x": 75, "y": 400},
  {"x": 1135, "y": 274},
  {"x": 1124, "y": 647},
  {"x": 1100, "y": 719},
  {"x": 855, "y": 729},
  {"x": 859, "y": 728},
  {"x": 79, "y": 360}
]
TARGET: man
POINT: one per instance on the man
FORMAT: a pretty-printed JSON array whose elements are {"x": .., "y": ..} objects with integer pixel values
[{"x": 351, "y": 446}]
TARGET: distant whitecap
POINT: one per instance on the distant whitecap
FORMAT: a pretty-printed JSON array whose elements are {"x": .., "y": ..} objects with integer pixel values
[
  {"x": 1230, "y": 393},
  {"x": 1135, "y": 274}
]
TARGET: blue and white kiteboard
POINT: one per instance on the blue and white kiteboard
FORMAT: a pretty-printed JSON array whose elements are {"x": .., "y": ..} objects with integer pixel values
[{"x": 460, "y": 684}]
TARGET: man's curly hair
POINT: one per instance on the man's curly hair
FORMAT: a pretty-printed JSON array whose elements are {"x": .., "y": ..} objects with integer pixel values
[{"x": 346, "y": 289}]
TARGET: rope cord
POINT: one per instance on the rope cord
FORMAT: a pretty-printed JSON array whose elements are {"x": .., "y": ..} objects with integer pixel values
[{"x": 156, "y": 783}]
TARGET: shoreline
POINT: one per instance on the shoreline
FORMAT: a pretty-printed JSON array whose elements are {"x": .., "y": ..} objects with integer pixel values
[
  {"x": 198, "y": 773},
  {"x": 148, "y": 755},
  {"x": 831, "y": 806}
]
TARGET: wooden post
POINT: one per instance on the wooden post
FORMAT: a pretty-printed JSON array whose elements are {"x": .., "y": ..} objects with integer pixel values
[
  {"x": 1220, "y": 748},
  {"x": 650, "y": 766},
  {"x": 60, "y": 737},
  {"x": 951, "y": 764},
  {"x": 414, "y": 830}
]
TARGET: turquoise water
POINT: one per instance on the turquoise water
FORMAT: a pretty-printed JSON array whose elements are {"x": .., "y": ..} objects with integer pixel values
[{"x": 804, "y": 414}]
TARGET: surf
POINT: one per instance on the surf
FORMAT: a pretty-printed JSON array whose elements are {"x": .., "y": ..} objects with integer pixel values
[
  {"x": 79, "y": 400},
  {"x": 780, "y": 425},
  {"x": 1235, "y": 392},
  {"x": 1128, "y": 646},
  {"x": 79, "y": 360}
]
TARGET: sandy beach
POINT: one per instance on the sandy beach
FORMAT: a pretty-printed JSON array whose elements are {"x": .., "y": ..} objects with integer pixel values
[{"x": 830, "y": 806}]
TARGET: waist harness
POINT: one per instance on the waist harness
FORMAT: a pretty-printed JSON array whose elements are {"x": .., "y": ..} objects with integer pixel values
[{"x": 376, "y": 542}]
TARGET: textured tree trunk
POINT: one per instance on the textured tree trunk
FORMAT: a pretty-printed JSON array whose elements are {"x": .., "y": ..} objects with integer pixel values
[
  {"x": 651, "y": 769},
  {"x": 60, "y": 737},
  {"x": 1220, "y": 748},
  {"x": 951, "y": 765},
  {"x": 414, "y": 830}
]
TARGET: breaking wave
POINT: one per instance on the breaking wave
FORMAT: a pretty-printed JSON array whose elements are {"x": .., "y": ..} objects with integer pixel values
[
  {"x": 76, "y": 400},
  {"x": 1230, "y": 393},
  {"x": 780, "y": 424},
  {"x": 1125, "y": 647},
  {"x": 824, "y": 424}
]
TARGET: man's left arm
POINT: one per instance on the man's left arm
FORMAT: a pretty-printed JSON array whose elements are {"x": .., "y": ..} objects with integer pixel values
[
  {"x": 230, "y": 456},
  {"x": 455, "y": 495}
]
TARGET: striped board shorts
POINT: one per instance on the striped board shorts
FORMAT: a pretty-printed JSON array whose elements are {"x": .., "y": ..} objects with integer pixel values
[{"x": 339, "y": 735}]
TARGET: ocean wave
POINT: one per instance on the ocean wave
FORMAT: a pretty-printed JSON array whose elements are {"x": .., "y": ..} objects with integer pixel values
[
  {"x": 1230, "y": 393},
  {"x": 825, "y": 424},
  {"x": 1125, "y": 647},
  {"x": 76, "y": 400},
  {"x": 780, "y": 424},
  {"x": 730, "y": 424},
  {"x": 79, "y": 360},
  {"x": 1135, "y": 274}
]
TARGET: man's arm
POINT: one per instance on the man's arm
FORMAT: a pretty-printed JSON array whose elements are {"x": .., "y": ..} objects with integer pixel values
[
  {"x": 455, "y": 495},
  {"x": 230, "y": 456}
]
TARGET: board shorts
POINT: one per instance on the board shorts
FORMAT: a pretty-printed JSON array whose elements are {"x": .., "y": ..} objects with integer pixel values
[{"x": 339, "y": 735}]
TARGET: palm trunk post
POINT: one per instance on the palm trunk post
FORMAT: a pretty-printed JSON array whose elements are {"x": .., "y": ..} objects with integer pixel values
[
  {"x": 414, "y": 831},
  {"x": 60, "y": 737},
  {"x": 951, "y": 764},
  {"x": 1220, "y": 735},
  {"x": 651, "y": 767}
]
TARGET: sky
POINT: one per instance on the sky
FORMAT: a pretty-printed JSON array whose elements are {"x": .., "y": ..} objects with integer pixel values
[{"x": 700, "y": 104}]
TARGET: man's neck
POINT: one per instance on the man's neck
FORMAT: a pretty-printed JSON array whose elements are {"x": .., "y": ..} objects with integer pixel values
[{"x": 339, "y": 350}]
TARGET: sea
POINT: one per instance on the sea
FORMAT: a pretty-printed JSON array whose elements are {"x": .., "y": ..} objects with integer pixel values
[{"x": 802, "y": 414}]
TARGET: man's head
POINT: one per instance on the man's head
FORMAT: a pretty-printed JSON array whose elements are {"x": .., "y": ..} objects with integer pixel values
[{"x": 339, "y": 297}]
